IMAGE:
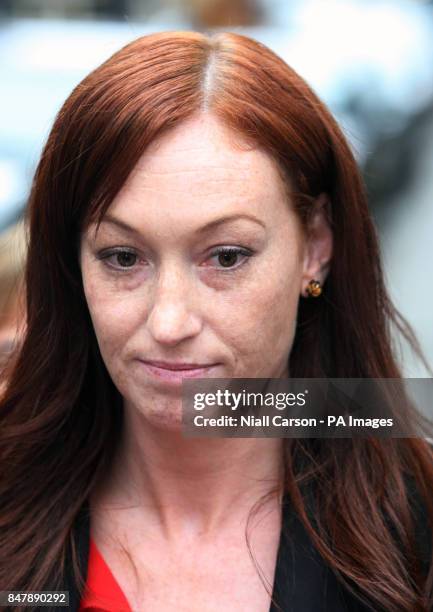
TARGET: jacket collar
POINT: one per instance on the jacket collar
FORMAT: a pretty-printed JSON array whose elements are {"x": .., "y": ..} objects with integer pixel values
[{"x": 302, "y": 580}]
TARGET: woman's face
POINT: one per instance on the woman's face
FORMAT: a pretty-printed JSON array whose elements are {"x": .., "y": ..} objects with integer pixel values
[{"x": 200, "y": 260}]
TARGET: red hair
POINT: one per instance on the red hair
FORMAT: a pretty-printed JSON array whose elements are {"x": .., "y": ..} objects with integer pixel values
[{"x": 61, "y": 414}]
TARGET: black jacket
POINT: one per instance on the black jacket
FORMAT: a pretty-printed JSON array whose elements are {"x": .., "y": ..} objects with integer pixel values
[{"x": 303, "y": 581}]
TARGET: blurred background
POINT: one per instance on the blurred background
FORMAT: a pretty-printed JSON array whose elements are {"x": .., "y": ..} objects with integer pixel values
[{"x": 371, "y": 61}]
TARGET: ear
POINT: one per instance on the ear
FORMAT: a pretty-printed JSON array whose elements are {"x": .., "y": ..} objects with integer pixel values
[{"x": 318, "y": 244}]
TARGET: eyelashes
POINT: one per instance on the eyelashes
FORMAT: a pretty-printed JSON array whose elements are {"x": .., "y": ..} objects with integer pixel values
[
  {"x": 224, "y": 256},
  {"x": 128, "y": 256},
  {"x": 124, "y": 260}
]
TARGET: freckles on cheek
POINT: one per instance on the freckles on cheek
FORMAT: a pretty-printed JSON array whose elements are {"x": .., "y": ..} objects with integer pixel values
[
  {"x": 262, "y": 317},
  {"x": 112, "y": 317}
]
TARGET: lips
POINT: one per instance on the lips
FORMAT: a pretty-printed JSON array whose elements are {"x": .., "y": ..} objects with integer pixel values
[
  {"x": 175, "y": 372},
  {"x": 165, "y": 365}
]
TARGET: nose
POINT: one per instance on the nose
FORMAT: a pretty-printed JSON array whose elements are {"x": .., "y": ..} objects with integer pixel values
[{"x": 173, "y": 316}]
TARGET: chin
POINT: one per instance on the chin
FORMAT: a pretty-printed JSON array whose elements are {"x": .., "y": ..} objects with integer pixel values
[
  {"x": 162, "y": 415},
  {"x": 165, "y": 422}
]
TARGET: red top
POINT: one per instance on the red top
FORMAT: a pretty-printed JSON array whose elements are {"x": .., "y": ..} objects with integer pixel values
[{"x": 102, "y": 593}]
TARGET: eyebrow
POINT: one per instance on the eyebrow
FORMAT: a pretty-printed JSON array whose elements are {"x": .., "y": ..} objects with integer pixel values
[{"x": 212, "y": 225}]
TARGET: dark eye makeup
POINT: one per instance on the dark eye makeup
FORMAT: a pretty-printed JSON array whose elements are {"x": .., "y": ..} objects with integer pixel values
[{"x": 124, "y": 259}]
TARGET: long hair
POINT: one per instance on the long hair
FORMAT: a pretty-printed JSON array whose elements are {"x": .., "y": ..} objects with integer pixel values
[{"x": 61, "y": 414}]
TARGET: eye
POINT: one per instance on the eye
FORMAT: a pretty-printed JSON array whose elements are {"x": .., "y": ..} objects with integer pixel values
[
  {"x": 228, "y": 257},
  {"x": 119, "y": 259}
]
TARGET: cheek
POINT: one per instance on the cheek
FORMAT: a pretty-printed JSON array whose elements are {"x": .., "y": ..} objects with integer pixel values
[
  {"x": 259, "y": 323},
  {"x": 114, "y": 318}
]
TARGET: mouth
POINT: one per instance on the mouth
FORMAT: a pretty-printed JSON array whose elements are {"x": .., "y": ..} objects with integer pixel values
[{"x": 176, "y": 372}]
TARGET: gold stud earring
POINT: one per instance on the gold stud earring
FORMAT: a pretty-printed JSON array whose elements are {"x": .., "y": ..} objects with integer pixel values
[{"x": 314, "y": 288}]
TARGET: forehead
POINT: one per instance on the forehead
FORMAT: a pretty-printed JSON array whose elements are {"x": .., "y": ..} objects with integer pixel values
[{"x": 196, "y": 171}]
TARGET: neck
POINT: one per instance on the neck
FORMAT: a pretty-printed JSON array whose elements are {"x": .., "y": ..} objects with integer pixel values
[{"x": 190, "y": 484}]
